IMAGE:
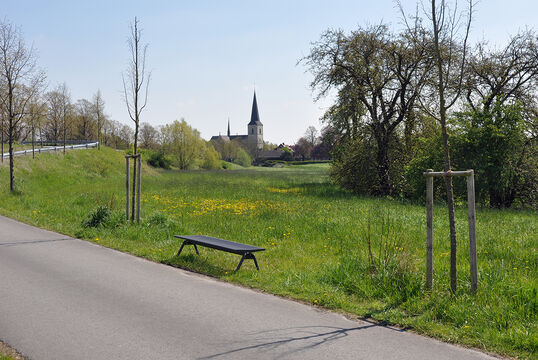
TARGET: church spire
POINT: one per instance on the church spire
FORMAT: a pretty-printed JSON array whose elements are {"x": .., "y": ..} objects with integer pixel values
[
  {"x": 255, "y": 117},
  {"x": 228, "y": 127}
]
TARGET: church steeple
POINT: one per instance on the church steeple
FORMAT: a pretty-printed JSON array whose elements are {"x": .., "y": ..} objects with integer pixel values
[
  {"x": 255, "y": 128},
  {"x": 228, "y": 127},
  {"x": 255, "y": 117}
]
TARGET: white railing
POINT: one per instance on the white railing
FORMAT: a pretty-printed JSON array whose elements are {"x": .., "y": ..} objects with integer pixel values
[{"x": 51, "y": 148}]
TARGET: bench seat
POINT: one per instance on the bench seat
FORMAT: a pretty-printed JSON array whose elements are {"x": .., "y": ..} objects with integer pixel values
[{"x": 246, "y": 251}]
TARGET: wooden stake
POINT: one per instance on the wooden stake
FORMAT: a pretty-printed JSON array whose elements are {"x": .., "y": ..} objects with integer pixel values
[
  {"x": 429, "y": 231},
  {"x": 127, "y": 187},
  {"x": 472, "y": 230},
  {"x": 138, "y": 190}
]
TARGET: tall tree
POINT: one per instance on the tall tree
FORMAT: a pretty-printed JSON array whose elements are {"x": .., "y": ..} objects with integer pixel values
[
  {"x": 35, "y": 119},
  {"x": 382, "y": 71},
  {"x": 149, "y": 136},
  {"x": 135, "y": 88},
  {"x": 99, "y": 108},
  {"x": 54, "y": 101},
  {"x": 311, "y": 135},
  {"x": 65, "y": 110},
  {"x": 20, "y": 81},
  {"x": 85, "y": 122}
]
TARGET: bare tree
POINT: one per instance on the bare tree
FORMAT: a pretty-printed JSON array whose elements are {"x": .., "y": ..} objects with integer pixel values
[
  {"x": 99, "y": 108},
  {"x": 54, "y": 115},
  {"x": 149, "y": 136},
  {"x": 65, "y": 109},
  {"x": 84, "y": 119},
  {"x": 450, "y": 55},
  {"x": 503, "y": 75},
  {"x": 135, "y": 89},
  {"x": 36, "y": 116},
  {"x": 311, "y": 135},
  {"x": 20, "y": 79}
]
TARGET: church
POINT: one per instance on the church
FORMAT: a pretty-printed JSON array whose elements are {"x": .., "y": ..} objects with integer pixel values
[{"x": 253, "y": 140}]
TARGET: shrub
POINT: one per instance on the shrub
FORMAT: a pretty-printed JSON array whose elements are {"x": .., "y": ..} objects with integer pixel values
[
  {"x": 159, "y": 160},
  {"x": 97, "y": 217},
  {"x": 242, "y": 157}
]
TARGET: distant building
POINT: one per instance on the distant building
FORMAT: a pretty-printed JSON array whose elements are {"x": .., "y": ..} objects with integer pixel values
[{"x": 253, "y": 140}]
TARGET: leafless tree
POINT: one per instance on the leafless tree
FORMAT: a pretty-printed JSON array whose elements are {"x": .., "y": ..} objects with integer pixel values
[
  {"x": 149, "y": 136},
  {"x": 65, "y": 109},
  {"x": 21, "y": 81},
  {"x": 99, "y": 108},
  {"x": 504, "y": 75},
  {"x": 135, "y": 86},
  {"x": 35, "y": 119},
  {"x": 54, "y": 115},
  {"x": 311, "y": 135},
  {"x": 446, "y": 32},
  {"x": 450, "y": 29},
  {"x": 84, "y": 119}
]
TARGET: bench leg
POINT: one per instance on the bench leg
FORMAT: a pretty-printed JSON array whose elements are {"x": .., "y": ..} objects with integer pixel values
[
  {"x": 247, "y": 256},
  {"x": 187, "y": 242}
]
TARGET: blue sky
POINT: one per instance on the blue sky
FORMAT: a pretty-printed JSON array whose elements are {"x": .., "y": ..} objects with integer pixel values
[{"x": 206, "y": 56}]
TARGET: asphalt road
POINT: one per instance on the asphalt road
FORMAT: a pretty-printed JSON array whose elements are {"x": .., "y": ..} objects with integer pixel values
[{"x": 63, "y": 298}]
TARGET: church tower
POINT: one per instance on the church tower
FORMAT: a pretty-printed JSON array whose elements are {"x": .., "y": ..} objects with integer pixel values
[{"x": 255, "y": 128}]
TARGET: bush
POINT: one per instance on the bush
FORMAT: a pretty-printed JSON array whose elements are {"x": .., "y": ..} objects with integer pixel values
[
  {"x": 97, "y": 217},
  {"x": 211, "y": 159},
  {"x": 159, "y": 160},
  {"x": 242, "y": 157},
  {"x": 287, "y": 154}
]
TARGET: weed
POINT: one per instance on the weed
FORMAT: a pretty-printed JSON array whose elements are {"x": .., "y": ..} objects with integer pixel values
[{"x": 97, "y": 217}]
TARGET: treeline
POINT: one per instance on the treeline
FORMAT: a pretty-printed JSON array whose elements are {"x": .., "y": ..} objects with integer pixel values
[
  {"x": 384, "y": 129},
  {"x": 53, "y": 117}
]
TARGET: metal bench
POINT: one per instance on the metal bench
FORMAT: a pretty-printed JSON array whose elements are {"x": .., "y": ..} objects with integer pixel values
[{"x": 247, "y": 251}]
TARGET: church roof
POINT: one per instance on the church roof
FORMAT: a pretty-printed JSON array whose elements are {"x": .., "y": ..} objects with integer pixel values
[{"x": 255, "y": 117}]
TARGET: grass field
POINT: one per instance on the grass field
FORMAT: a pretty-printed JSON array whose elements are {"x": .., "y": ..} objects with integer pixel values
[{"x": 325, "y": 246}]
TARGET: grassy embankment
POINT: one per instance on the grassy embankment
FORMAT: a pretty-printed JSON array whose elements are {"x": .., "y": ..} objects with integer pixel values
[{"x": 317, "y": 239}]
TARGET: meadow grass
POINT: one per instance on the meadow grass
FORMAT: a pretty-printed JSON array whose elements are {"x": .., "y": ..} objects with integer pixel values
[{"x": 325, "y": 246}]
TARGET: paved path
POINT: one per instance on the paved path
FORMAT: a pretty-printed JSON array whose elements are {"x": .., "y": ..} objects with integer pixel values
[{"x": 63, "y": 298}]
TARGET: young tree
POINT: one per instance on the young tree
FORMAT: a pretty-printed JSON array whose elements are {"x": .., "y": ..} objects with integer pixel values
[
  {"x": 450, "y": 55},
  {"x": 135, "y": 89},
  {"x": 20, "y": 81}
]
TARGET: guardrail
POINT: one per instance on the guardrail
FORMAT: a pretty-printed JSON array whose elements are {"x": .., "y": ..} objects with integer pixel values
[{"x": 51, "y": 148}]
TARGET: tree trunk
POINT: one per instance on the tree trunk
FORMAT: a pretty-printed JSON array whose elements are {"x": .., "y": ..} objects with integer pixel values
[
  {"x": 383, "y": 165},
  {"x": 33, "y": 143},
  {"x": 448, "y": 179},
  {"x": 133, "y": 196},
  {"x": 11, "y": 164},
  {"x": 451, "y": 216},
  {"x": 134, "y": 173},
  {"x": 2, "y": 142}
]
